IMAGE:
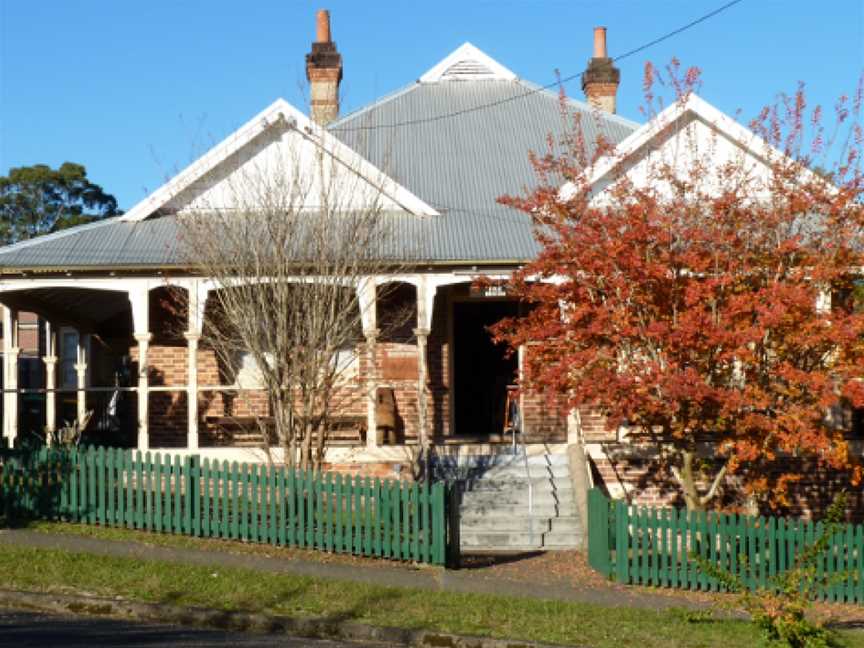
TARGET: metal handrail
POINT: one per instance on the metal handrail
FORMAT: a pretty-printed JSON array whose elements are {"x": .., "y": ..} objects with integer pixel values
[{"x": 516, "y": 427}]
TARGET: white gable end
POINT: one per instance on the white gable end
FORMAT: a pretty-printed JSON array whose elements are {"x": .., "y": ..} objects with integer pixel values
[
  {"x": 467, "y": 63},
  {"x": 691, "y": 140},
  {"x": 280, "y": 150},
  {"x": 685, "y": 132},
  {"x": 286, "y": 166}
]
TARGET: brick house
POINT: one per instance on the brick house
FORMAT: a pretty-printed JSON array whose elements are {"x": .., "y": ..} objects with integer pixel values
[{"x": 109, "y": 343}]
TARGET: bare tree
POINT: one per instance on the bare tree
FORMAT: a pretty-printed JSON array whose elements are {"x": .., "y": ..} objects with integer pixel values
[{"x": 292, "y": 236}]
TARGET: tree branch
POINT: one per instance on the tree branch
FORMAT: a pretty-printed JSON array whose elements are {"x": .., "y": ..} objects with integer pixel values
[{"x": 714, "y": 486}]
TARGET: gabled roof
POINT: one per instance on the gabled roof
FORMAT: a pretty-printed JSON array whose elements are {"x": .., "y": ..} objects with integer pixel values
[
  {"x": 452, "y": 144},
  {"x": 679, "y": 112},
  {"x": 467, "y": 63},
  {"x": 279, "y": 111}
]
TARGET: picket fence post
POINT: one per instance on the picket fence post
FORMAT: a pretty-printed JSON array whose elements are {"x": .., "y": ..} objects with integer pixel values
[{"x": 598, "y": 532}]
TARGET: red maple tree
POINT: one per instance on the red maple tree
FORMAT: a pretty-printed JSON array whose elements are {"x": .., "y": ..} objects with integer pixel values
[{"x": 705, "y": 299}]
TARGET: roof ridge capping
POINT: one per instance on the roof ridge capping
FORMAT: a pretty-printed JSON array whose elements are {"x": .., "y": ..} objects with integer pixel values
[{"x": 467, "y": 63}]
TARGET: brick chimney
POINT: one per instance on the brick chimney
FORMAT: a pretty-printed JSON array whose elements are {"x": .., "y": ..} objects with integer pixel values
[
  {"x": 324, "y": 72},
  {"x": 600, "y": 80}
]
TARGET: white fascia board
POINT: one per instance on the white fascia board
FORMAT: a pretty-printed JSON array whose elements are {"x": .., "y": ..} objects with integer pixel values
[
  {"x": 744, "y": 137},
  {"x": 468, "y": 52},
  {"x": 355, "y": 162},
  {"x": 219, "y": 153},
  {"x": 279, "y": 109}
]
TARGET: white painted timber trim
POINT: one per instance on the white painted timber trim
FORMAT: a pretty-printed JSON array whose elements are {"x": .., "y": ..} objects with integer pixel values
[
  {"x": 279, "y": 111},
  {"x": 470, "y": 54},
  {"x": 698, "y": 107}
]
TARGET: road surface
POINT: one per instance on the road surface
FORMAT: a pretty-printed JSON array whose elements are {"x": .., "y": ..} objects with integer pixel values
[{"x": 21, "y": 629}]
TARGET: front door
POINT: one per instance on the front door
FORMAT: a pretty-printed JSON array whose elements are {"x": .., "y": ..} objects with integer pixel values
[{"x": 482, "y": 370}]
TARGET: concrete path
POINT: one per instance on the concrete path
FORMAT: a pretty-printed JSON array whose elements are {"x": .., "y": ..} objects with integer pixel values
[
  {"x": 424, "y": 578},
  {"x": 19, "y": 629}
]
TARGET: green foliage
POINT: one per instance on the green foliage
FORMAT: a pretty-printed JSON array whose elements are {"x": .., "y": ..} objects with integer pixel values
[
  {"x": 779, "y": 610},
  {"x": 38, "y": 200}
]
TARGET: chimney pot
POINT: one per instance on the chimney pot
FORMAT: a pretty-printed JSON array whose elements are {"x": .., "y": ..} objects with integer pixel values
[
  {"x": 601, "y": 77},
  {"x": 324, "y": 72},
  {"x": 600, "y": 42},
  {"x": 322, "y": 26}
]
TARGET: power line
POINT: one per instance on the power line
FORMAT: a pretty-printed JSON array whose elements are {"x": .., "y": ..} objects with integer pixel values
[
  {"x": 681, "y": 29},
  {"x": 548, "y": 86}
]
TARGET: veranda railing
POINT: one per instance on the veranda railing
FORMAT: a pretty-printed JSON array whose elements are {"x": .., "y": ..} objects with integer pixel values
[{"x": 252, "y": 502}]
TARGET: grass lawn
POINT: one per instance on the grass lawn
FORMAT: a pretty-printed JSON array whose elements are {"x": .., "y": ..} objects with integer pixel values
[
  {"x": 553, "y": 622},
  {"x": 205, "y": 544}
]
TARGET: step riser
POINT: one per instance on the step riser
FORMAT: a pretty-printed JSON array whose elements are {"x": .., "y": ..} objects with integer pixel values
[
  {"x": 518, "y": 509},
  {"x": 514, "y": 510},
  {"x": 554, "y": 537},
  {"x": 562, "y": 524},
  {"x": 536, "y": 472},
  {"x": 521, "y": 526},
  {"x": 567, "y": 546},
  {"x": 505, "y": 460},
  {"x": 502, "y": 540},
  {"x": 517, "y": 541},
  {"x": 566, "y": 525},
  {"x": 504, "y": 525},
  {"x": 544, "y": 486},
  {"x": 489, "y": 499},
  {"x": 559, "y": 522}
]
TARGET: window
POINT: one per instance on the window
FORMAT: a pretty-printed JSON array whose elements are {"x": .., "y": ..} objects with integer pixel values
[{"x": 248, "y": 374}]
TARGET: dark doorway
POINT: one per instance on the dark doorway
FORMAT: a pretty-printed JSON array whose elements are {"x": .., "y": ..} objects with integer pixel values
[{"x": 481, "y": 370}]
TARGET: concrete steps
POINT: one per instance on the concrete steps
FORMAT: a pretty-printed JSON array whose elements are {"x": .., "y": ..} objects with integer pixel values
[
  {"x": 495, "y": 513},
  {"x": 538, "y": 486},
  {"x": 535, "y": 471},
  {"x": 497, "y": 509}
]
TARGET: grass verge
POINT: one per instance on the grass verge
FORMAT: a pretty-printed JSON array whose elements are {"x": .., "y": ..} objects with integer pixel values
[
  {"x": 204, "y": 544},
  {"x": 472, "y": 614}
]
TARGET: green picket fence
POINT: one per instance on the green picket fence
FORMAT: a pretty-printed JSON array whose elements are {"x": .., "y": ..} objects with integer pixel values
[
  {"x": 656, "y": 546},
  {"x": 211, "y": 499}
]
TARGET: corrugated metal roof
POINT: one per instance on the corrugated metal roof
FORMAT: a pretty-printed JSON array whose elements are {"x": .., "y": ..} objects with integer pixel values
[
  {"x": 105, "y": 244},
  {"x": 462, "y": 165},
  {"x": 459, "y": 165},
  {"x": 468, "y": 161}
]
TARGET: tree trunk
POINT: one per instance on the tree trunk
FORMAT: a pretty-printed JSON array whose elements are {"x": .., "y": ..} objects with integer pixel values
[
  {"x": 688, "y": 483},
  {"x": 306, "y": 445},
  {"x": 687, "y": 480}
]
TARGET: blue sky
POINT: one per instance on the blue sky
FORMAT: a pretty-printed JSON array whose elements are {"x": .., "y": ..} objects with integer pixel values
[{"x": 135, "y": 90}]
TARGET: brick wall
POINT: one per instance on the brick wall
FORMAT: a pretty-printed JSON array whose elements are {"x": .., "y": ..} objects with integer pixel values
[
  {"x": 167, "y": 419},
  {"x": 167, "y": 365},
  {"x": 633, "y": 472},
  {"x": 544, "y": 415}
]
